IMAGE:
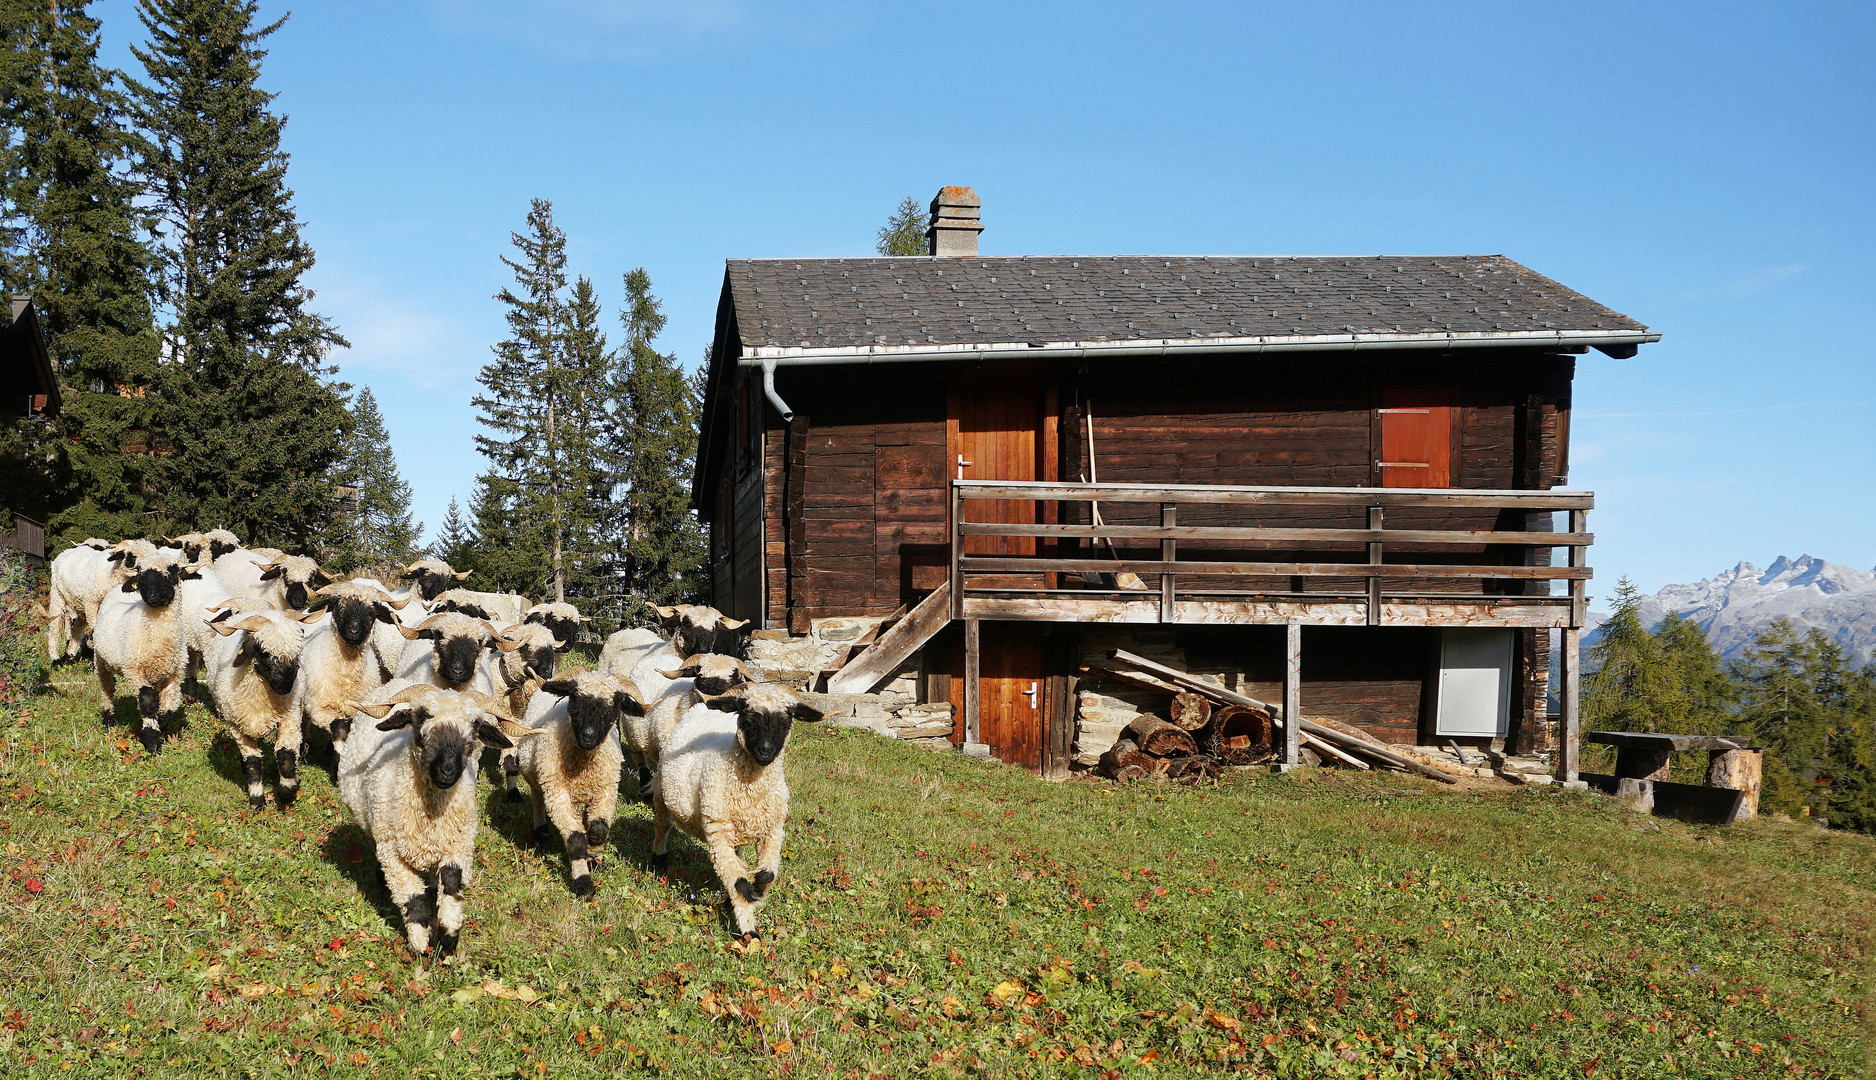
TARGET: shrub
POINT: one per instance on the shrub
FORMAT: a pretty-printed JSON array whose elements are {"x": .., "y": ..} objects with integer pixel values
[{"x": 22, "y": 628}]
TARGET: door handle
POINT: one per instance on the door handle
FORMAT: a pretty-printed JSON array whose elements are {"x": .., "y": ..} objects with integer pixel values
[
  {"x": 1031, "y": 694},
  {"x": 962, "y": 465}
]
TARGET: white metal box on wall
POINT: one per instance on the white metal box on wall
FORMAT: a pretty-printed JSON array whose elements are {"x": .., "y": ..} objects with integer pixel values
[{"x": 1474, "y": 692}]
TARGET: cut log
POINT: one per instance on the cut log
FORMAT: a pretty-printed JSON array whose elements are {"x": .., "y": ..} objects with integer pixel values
[
  {"x": 1191, "y": 770},
  {"x": 1428, "y": 760},
  {"x": 1238, "y": 735},
  {"x": 1190, "y": 711},
  {"x": 1742, "y": 771},
  {"x": 1161, "y": 739}
]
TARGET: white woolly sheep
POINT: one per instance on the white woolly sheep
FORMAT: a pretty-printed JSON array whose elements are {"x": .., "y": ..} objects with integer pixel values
[
  {"x": 277, "y": 581},
  {"x": 516, "y": 674},
  {"x": 139, "y": 636},
  {"x": 502, "y": 609},
  {"x": 721, "y": 780},
  {"x": 446, "y": 651},
  {"x": 254, "y": 670},
  {"x": 572, "y": 769},
  {"x": 81, "y": 575},
  {"x": 562, "y": 618},
  {"x": 408, "y": 774},
  {"x": 699, "y": 628},
  {"x": 624, "y": 649},
  {"x": 678, "y": 688},
  {"x": 430, "y": 577},
  {"x": 339, "y": 664}
]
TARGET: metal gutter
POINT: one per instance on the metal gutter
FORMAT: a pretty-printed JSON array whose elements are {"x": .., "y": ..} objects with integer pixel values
[{"x": 769, "y": 357}]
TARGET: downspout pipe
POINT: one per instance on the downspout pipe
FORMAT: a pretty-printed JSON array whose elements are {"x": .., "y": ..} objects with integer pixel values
[{"x": 768, "y": 390}]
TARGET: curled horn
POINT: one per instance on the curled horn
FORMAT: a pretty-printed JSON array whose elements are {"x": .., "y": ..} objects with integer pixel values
[
  {"x": 397, "y": 605},
  {"x": 307, "y": 616},
  {"x": 250, "y": 624},
  {"x": 501, "y": 641},
  {"x": 493, "y": 708},
  {"x": 460, "y": 574},
  {"x": 381, "y": 709},
  {"x": 427, "y": 624}
]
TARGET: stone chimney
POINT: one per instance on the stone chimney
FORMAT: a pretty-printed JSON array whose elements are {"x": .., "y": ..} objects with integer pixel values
[{"x": 955, "y": 222}]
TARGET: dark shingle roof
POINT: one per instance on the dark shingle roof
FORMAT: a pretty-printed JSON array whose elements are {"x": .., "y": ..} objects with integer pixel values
[{"x": 923, "y": 302}]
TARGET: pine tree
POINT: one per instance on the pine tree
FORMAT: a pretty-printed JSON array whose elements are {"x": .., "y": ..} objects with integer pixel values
[
  {"x": 72, "y": 238},
  {"x": 523, "y": 502},
  {"x": 456, "y": 539},
  {"x": 655, "y": 446},
  {"x": 379, "y": 533},
  {"x": 253, "y": 426},
  {"x": 904, "y": 231}
]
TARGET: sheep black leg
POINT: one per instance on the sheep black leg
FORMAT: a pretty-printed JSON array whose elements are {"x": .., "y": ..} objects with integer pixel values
[
  {"x": 449, "y": 886},
  {"x": 287, "y": 762},
  {"x": 597, "y": 831},
  {"x": 257, "y": 795},
  {"x": 511, "y": 775},
  {"x": 169, "y": 710},
  {"x": 151, "y": 731},
  {"x": 576, "y": 864},
  {"x": 107, "y": 691}
]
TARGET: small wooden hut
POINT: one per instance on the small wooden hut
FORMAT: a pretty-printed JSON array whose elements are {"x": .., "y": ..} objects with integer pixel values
[{"x": 1346, "y": 473}]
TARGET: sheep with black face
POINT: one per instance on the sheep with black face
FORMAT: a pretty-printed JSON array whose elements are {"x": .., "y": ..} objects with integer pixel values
[
  {"x": 721, "y": 780},
  {"x": 254, "y": 673},
  {"x": 516, "y": 675},
  {"x": 282, "y": 582},
  {"x": 81, "y": 575},
  {"x": 572, "y": 770},
  {"x": 699, "y": 628},
  {"x": 695, "y": 679},
  {"x": 430, "y": 577},
  {"x": 446, "y": 651},
  {"x": 408, "y": 775},
  {"x": 562, "y": 619},
  {"x": 140, "y": 637},
  {"x": 340, "y": 665}
]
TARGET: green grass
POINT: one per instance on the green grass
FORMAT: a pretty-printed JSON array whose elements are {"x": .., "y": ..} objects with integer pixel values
[{"x": 934, "y": 917}]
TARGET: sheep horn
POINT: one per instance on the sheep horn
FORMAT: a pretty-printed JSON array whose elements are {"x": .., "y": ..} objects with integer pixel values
[
  {"x": 463, "y": 574},
  {"x": 404, "y": 696},
  {"x": 306, "y": 616},
  {"x": 491, "y": 706},
  {"x": 397, "y": 605}
]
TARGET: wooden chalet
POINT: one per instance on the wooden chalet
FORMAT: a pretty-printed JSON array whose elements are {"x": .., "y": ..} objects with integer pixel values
[
  {"x": 29, "y": 392},
  {"x": 1346, "y": 473}
]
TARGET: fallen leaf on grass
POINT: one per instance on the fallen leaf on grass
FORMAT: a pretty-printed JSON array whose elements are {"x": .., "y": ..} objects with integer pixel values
[
  {"x": 1221, "y": 1021},
  {"x": 1006, "y": 990}
]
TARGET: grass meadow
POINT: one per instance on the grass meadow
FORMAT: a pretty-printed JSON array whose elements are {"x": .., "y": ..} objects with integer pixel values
[{"x": 935, "y": 917}]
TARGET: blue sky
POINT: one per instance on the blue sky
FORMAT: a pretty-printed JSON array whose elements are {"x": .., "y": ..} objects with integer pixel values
[{"x": 1704, "y": 168}]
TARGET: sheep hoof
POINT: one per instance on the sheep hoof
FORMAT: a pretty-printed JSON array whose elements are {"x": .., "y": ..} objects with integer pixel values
[
  {"x": 107, "y": 716},
  {"x": 257, "y": 802},
  {"x": 661, "y": 863},
  {"x": 283, "y": 797},
  {"x": 151, "y": 739},
  {"x": 744, "y": 889},
  {"x": 764, "y": 878},
  {"x": 583, "y": 887},
  {"x": 514, "y": 795},
  {"x": 447, "y": 941}
]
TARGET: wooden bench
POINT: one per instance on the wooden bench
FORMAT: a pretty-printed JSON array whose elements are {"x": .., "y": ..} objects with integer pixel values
[{"x": 1731, "y": 791}]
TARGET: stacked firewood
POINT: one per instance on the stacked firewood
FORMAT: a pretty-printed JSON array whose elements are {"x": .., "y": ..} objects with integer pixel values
[{"x": 1208, "y": 727}]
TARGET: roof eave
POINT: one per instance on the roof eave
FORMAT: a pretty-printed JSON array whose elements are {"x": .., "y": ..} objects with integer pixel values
[{"x": 1168, "y": 347}]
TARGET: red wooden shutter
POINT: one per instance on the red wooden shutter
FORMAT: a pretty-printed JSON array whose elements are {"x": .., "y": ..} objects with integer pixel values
[{"x": 1416, "y": 438}]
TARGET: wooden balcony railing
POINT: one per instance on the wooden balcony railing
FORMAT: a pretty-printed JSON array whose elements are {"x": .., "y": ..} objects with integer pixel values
[{"x": 1005, "y": 548}]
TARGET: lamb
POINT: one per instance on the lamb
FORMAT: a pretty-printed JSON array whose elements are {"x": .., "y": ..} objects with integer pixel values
[
  {"x": 275, "y": 581},
  {"x": 80, "y": 577},
  {"x": 561, "y": 618},
  {"x": 698, "y": 628},
  {"x": 721, "y": 780},
  {"x": 446, "y": 650},
  {"x": 402, "y": 773},
  {"x": 430, "y": 577},
  {"x": 573, "y": 769},
  {"x": 139, "y": 637},
  {"x": 254, "y": 672},
  {"x": 340, "y": 664}
]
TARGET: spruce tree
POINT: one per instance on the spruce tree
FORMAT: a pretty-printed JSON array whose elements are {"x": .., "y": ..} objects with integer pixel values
[
  {"x": 655, "y": 445},
  {"x": 587, "y": 481},
  {"x": 456, "y": 539},
  {"x": 379, "y": 533},
  {"x": 1781, "y": 708},
  {"x": 72, "y": 239},
  {"x": 904, "y": 231},
  {"x": 252, "y": 422},
  {"x": 1622, "y": 694}
]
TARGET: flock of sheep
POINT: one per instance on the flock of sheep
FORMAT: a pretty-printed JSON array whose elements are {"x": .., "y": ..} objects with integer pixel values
[{"x": 410, "y": 684}]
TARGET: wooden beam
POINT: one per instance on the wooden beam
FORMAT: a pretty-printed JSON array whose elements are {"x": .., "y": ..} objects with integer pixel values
[
  {"x": 969, "y": 564},
  {"x": 1292, "y": 692},
  {"x": 1216, "y": 611},
  {"x": 1235, "y": 495},
  {"x": 865, "y": 671},
  {"x": 1375, "y": 520},
  {"x": 1579, "y": 560},
  {"x": 972, "y": 663},
  {"x": 1168, "y": 552},
  {"x": 1570, "y": 693},
  {"x": 1257, "y": 533}
]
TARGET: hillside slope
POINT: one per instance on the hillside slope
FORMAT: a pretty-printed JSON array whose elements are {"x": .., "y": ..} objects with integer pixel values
[{"x": 935, "y": 916}]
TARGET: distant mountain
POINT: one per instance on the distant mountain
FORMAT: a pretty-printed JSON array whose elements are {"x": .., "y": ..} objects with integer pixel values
[{"x": 1734, "y": 606}]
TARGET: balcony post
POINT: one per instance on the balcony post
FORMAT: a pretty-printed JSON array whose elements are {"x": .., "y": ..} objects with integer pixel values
[
  {"x": 1168, "y": 549},
  {"x": 954, "y": 517},
  {"x": 1570, "y": 693},
  {"x": 973, "y": 657},
  {"x": 1292, "y": 693},
  {"x": 1375, "y": 520}
]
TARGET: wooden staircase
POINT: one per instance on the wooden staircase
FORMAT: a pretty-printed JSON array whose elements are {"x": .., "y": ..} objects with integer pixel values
[{"x": 903, "y": 638}]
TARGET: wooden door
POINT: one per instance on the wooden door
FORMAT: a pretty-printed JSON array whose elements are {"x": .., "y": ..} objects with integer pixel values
[
  {"x": 1416, "y": 438},
  {"x": 1012, "y": 702},
  {"x": 1000, "y": 429}
]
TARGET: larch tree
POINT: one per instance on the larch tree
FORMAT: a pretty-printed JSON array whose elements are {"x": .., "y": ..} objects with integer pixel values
[
  {"x": 251, "y": 422},
  {"x": 904, "y": 231},
  {"x": 379, "y": 532},
  {"x": 74, "y": 240}
]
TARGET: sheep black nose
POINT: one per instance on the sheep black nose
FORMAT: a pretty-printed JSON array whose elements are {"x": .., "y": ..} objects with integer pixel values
[{"x": 445, "y": 772}]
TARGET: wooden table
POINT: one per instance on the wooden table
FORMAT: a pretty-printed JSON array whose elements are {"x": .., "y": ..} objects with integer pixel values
[{"x": 1732, "y": 764}]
